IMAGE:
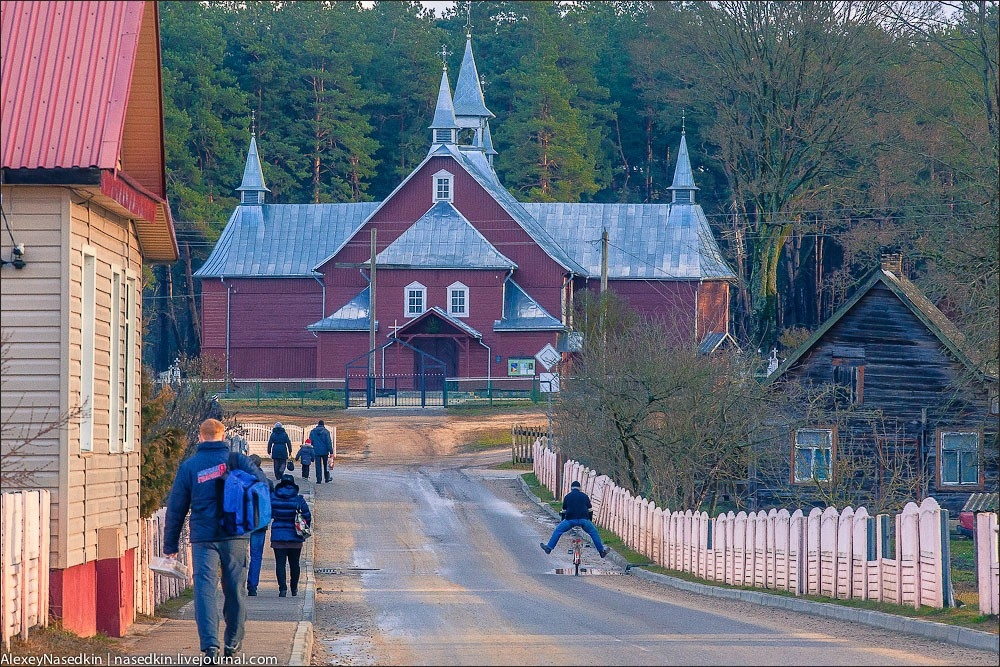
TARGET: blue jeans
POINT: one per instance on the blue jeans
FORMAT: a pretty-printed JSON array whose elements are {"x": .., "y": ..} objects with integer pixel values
[
  {"x": 208, "y": 558},
  {"x": 257, "y": 538},
  {"x": 566, "y": 524}
]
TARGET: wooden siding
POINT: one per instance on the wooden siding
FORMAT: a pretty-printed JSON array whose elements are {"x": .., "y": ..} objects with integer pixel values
[
  {"x": 907, "y": 371},
  {"x": 267, "y": 332},
  {"x": 42, "y": 318}
]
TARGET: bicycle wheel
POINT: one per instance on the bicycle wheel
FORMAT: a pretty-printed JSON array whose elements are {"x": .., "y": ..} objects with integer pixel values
[{"x": 577, "y": 557}]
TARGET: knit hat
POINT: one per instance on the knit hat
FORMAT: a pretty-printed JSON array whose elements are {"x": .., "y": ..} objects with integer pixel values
[
  {"x": 575, "y": 484},
  {"x": 277, "y": 424},
  {"x": 320, "y": 422}
]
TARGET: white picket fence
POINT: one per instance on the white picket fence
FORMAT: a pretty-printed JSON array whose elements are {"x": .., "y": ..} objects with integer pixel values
[
  {"x": 257, "y": 435},
  {"x": 24, "y": 550},
  {"x": 837, "y": 554},
  {"x": 152, "y": 589}
]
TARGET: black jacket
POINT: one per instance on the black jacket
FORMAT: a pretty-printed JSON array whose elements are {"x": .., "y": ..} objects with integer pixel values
[
  {"x": 281, "y": 443},
  {"x": 576, "y": 505}
]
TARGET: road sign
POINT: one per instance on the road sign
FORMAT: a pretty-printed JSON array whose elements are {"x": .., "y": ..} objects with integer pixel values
[
  {"x": 548, "y": 357},
  {"x": 548, "y": 383}
]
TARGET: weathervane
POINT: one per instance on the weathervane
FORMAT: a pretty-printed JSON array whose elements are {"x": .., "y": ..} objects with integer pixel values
[{"x": 468, "y": 20}]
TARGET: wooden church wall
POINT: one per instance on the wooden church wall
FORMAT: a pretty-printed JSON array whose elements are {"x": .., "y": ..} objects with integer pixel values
[{"x": 267, "y": 331}]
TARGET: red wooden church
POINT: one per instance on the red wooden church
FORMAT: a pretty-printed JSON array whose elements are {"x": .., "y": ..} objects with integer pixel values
[{"x": 466, "y": 278}]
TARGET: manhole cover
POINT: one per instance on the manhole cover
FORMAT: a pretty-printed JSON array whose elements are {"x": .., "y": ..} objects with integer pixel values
[{"x": 344, "y": 570}]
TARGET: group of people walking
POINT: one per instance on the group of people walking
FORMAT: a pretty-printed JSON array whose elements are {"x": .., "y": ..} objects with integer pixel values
[
  {"x": 218, "y": 554},
  {"x": 317, "y": 447}
]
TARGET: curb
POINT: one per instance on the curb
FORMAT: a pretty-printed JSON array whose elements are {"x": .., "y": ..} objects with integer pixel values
[
  {"x": 941, "y": 632},
  {"x": 302, "y": 642}
]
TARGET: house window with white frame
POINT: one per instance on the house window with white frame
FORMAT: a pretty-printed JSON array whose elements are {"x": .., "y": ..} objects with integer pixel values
[
  {"x": 88, "y": 315},
  {"x": 812, "y": 455},
  {"x": 458, "y": 300},
  {"x": 443, "y": 190},
  {"x": 958, "y": 458},
  {"x": 415, "y": 299}
]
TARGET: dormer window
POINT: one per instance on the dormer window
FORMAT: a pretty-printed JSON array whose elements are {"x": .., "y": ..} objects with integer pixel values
[
  {"x": 458, "y": 300},
  {"x": 415, "y": 299},
  {"x": 443, "y": 190}
]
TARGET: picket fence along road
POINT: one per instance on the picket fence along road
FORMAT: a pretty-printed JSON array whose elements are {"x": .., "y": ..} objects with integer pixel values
[{"x": 426, "y": 556}]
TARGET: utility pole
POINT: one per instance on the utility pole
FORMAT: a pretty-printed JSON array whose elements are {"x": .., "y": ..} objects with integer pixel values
[
  {"x": 371, "y": 325},
  {"x": 604, "y": 260}
]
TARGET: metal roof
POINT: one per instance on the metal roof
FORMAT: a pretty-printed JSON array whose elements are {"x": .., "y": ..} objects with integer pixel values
[
  {"x": 444, "y": 112},
  {"x": 282, "y": 240},
  {"x": 442, "y": 239},
  {"x": 646, "y": 241},
  {"x": 468, "y": 91},
  {"x": 522, "y": 313},
  {"x": 253, "y": 175},
  {"x": 352, "y": 316},
  {"x": 67, "y": 71},
  {"x": 439, "y": 312},
  {"x": 683, "y": 176}
]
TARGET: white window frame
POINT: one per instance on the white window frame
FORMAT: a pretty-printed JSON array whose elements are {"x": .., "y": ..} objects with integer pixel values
[
  {"x": 414, "y": 290},
  {"x": 115, "y": 401},
  {"x": 458, "y": 288},
  {"x": 443, "y": 186},
  {"x": 88, "y": 319},
  {"x": 132, "y": 287},
  {"x": 960, "y": 453},
  {"x": 807, "y": 450}
]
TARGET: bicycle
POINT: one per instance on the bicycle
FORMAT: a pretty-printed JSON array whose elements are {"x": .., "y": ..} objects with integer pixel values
[{"x": 576, "y": 550}]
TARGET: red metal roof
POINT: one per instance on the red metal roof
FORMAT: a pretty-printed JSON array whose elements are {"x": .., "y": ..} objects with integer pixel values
[
  {"x": 80, "y": 89},
  {"x": 67, "y": 69}
]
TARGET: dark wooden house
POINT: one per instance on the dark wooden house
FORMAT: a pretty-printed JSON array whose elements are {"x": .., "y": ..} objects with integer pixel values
[
  {"x": 908, "y": 406},
  {"x": 464, "y": 275}
]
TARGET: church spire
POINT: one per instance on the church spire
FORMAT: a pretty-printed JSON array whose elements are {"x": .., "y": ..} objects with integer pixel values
[
  {"x": 252, "y": 188},
  {"x": 683, "y": 186},
  {"x": 470, "y": 106},
  {"x": 444, "y": 126}
]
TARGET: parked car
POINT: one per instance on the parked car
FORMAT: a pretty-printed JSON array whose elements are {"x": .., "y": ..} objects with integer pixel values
[{"x": 977, "y": 502}]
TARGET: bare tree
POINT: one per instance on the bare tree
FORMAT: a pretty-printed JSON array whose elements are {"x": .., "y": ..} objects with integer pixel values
[
  {"x": 789, "y": 80},
  {"x": 24, "y": 426},
  {"x": 643, "y": 405}
]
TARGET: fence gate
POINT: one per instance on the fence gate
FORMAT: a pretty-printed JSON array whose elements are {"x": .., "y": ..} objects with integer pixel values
[{"x": 427, "y": 386}]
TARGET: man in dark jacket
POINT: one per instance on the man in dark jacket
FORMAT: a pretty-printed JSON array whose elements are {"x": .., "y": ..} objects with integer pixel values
[
  {"x": 577, "y": 511},
  {"x": 322, "y": 448},
  {"x": 198, "y": 488},
  {"x": 279, "y": 448}
]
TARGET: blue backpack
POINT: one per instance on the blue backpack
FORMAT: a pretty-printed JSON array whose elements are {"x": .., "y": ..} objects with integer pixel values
[{"x": 246, "y": 501}]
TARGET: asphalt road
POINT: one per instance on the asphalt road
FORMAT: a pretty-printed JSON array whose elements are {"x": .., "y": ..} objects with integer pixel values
[{"x": 436, "y": 561}]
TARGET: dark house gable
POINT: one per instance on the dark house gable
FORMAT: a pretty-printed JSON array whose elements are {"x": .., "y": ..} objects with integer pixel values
[
  {"x": 908, "y": 409},
  {"x": 463, "y": 271}
]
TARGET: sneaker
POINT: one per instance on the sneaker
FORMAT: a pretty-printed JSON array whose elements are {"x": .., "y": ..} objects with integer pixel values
[
  {"x": 230, "y": 651},
  {"x": 545, "y": 547},
  {"x": 252, "y": 591},
  {"x": 210, "y": 656},
  {"x": 281, "y": 593},
  {"x": 605, "y": 552}
]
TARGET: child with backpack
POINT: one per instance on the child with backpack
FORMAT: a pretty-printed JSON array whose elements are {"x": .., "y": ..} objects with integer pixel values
[{"x": 305, "y": 457}]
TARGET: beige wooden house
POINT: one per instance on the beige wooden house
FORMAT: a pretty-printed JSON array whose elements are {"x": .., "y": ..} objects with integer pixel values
[{"x": 84, "y": 208}]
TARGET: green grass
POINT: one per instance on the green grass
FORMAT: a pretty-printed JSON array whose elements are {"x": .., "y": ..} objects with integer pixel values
[
  {"x": 171, "y": 607},
  {"x": 963, "y": 575}
]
